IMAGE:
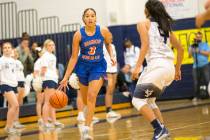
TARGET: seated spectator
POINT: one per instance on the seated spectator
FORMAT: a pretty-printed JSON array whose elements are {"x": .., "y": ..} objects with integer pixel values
[
  {"x": 34, "y": 53},
  {"x": 25, "y": 56},
  {"x": 131, "y": 54}
]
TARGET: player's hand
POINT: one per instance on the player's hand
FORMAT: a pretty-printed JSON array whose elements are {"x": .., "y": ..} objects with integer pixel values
[
  {"x": 195, "y": 50},
  {"x": 63, "y": 83},
  {"x": 199, "y": 20},
  {"x": 135, "y": 73},
  {"x": 114, "y": 61},
  {"x": 178, "y": 75}
]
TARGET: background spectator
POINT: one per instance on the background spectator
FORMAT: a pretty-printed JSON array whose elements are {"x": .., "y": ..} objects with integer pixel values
[
  {"x": 131, "y": 54},
  {"x": 200, "y": 52},
  {"x": 25, "y": 56}
]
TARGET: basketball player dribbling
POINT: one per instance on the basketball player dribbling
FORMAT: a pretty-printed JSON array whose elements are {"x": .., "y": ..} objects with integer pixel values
[{"x": 90, "y": 66}]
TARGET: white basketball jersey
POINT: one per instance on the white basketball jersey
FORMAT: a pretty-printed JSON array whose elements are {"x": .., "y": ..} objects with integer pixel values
[
  {"x": 19, "y": 71},
  {"x": 110, "y": 68},
  {"x": 8, "y": 71},
  {"x": 48, "y": 60},
  {"x": 37, "y": 65},
  {"x": 159, "y": 46}
]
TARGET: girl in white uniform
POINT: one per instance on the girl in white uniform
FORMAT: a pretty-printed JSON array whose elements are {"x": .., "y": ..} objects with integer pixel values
[
  {"x": 50, "y": 80},
  {"x": 8, "y": 85},
  {"x": 156, "y": 35},
  {"x": 37, "y": 87},
  {"x": 112, "y": 78},
  {"x": 21, "y": 85}
]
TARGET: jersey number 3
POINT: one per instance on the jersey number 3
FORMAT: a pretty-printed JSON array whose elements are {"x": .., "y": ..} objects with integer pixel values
[{"x": 92, "y": 50}]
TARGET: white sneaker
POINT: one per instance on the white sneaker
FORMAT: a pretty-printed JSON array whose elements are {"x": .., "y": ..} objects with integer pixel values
[
  {"x": 113, "y": 114},
  {"x": 81, "y": 117},
  {"x": 10, "y": 130},
  {"x": 18, "y": 125},
  {"x": 95, "y": 120},
  {"x": 58, "y": 124},
  {"x": 48, "y": 126},
  {"x": 85, "y": 130},
  {"x": 126, "y": 93},
  {"x": 195, "y": 99}
]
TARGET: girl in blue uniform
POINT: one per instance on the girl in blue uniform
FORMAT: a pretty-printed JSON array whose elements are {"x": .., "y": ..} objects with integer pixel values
[{"x": 90, "y": 66}]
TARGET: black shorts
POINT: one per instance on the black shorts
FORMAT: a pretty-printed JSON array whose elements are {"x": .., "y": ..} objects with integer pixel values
[
  {"x": 21, "y": 84},
  {"x": 49, "y": 84},
  {"x": 7, "y": 88}
]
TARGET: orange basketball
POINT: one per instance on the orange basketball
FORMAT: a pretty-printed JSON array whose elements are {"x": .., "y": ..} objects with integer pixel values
[{"x": 59, "y": 99}]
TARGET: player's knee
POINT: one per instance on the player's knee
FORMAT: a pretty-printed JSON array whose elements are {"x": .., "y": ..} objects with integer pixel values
[
  {"x": 151, "y": 102},
  {"x": 138, "y": 103},
  {"x": 147, "y": 90},
  {"x": 91, "y": 97}
]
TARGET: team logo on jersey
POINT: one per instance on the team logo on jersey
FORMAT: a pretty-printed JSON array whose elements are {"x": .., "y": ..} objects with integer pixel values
[
  {"x": 148, "y": 92},
  {"x": 92, "y": 42}
]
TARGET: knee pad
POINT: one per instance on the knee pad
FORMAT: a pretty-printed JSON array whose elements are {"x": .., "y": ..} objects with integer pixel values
[
  {"x": 151, "y": 102},
  {"x": 147, "y": 90},
  {"x": 138, "y": 103}
]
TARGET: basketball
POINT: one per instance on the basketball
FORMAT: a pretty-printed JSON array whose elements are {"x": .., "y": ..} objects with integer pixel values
[{"x": 59, "y": 99}]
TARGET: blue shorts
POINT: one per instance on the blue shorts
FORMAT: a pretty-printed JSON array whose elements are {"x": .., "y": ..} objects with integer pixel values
[
  {"x": 7, "y": 88},
  {"x": 21, "y": 84},
  {"x": 89, "y": 71},
  {"x": 49, "y": 84}
]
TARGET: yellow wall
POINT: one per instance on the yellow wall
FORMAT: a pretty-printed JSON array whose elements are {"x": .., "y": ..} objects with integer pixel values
[{"x": 186, "y": 37}]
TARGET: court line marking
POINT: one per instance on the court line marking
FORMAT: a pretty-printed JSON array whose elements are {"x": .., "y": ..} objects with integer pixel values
[
  {"x": 149, "y": 133},
  {"x": 122, "y": 118}
]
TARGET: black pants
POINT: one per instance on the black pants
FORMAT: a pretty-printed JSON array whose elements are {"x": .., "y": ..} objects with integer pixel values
[
  {"x": 201, "y": 76},
  {"x": 123, "y": 84},
  {"x": 1, "y": 100}
]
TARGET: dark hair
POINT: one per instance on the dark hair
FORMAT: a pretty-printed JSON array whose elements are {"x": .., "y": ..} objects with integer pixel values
[
  {"x": 127, "y": 41},
  {"x": 25, "y": 38},
  {"x": 7, "y": 43},
  {"x": 158, "y": 12},
  {"x": 199, "y": 33},
  {"x": 25, "y": 35},
  {"x": 87, "y": 10}
]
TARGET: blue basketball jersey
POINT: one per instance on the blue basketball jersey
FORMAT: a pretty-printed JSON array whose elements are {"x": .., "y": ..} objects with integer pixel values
[{"x": 91, "y": 47}]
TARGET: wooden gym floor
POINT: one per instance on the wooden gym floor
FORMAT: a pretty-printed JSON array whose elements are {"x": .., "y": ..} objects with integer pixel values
[{"x": 186, "y": 121}]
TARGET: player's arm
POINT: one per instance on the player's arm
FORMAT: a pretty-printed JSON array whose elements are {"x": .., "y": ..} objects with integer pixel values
[
  {"x": 43, "y": 70},
  {"x": 205, "y": 51},
  {"x": 108, "y": 40},
  {"x": 142, "y": 28},
  {"x": 180, "y": 55},
  {"x": 190, "y": 51},
  {"x": 180, "y": 51},
  {"x": 74, "y": 56}
]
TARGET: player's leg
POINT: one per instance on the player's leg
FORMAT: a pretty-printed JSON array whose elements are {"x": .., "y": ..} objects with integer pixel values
[
  {"x": 109, "y": 96},
  {"x": 12, "y": 110},
  {"x": 93, "y": 90},
  {"x": 80, "y": 103},
  {"x": 39, "y": 103},
  {"x": 150, "y": 85},
  {"x": 155, "y": 108},
  {"x": 109, "y": 92},
  {"x": 20, "y": 96},
  {"x": 47, "y": 108}
]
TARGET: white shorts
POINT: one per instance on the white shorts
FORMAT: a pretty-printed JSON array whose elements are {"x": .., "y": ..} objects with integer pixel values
[
  {"x": 111, "y": 69},
  {"x": 160, "y": 72}
]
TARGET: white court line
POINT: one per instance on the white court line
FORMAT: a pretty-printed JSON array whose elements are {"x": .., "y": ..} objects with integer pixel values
[{"x": 149, "y": 133}]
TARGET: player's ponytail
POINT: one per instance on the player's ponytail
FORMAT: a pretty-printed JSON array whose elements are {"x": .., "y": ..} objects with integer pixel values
[{"x": 157, "y": 11}]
